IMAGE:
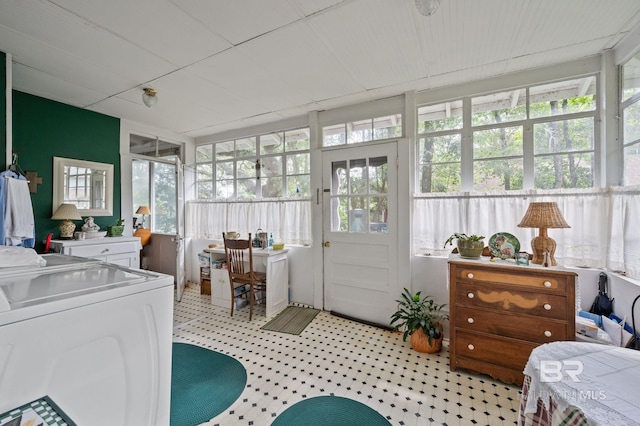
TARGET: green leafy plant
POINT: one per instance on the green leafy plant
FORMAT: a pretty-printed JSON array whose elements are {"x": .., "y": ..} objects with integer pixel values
[
  {"x": 463, "y": 237},
  {"x": 119, "y": 222},
  {"x": 416, "y": 312}
]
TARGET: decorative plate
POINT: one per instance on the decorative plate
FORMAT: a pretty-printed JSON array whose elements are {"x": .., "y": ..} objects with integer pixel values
[{"x": 504, "y": 245}]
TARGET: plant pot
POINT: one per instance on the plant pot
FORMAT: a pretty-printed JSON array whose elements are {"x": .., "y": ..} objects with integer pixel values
[
  {"x": 471, "y": 249},
  {"x": 420, "y": 342},
  {"x": 115, "y": 230}
]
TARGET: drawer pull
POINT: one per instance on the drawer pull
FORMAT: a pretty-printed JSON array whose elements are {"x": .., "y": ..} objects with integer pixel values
[
  {"x": 471, "y": 295},
  {"x": 105, "y": 250},
  {"x": 471, "y": 347},
  {"x": 469, "y": 275},
  {"x": 547, "y": 333},
  {"x": 547, "y": 284},
  {"x": 470, "y": 320},
  {"x": 547, "y": 306}
]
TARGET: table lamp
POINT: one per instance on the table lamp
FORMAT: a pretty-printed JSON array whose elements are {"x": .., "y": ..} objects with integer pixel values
[
  {"x": 543, "y": 215},
  {"x": 143, "y": 210},
  {"x": 66, "y": 213}
]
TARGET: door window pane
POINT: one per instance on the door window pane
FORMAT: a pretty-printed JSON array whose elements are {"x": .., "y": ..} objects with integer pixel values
[
  {"x": 378, "y": 175},
  {"x": 164, "y": 205},
  {"x": 358, "y": 176},
  {"x": 378, "y": 214}
]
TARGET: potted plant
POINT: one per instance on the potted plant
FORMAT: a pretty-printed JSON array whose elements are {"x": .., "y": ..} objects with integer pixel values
[
  {"x": 117, "y": 229},
  {"x": 421, "y": 318},
  {"x": 468, "y": 245}
]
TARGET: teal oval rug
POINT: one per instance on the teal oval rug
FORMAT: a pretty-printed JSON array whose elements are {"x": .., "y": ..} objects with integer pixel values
[
  {"x": 204, "y": 383},
  {"x": 330, "y": 411}
]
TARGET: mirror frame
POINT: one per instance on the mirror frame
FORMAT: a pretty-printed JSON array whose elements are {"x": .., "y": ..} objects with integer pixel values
[{"x": 60, "y": 163}]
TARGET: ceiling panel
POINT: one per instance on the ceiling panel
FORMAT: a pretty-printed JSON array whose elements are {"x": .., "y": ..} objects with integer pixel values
[
  {"x": 157, "y": 26},
  {"x": 239, "y": 21},
  {"x": 220, "y": 65},
  {"x": 318, "y": 76},
  {"x": 249, "y": 79}
]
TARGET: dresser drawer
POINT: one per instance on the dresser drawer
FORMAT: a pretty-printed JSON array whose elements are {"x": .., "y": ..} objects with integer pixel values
[
  {"x": 549, "y": 282},
  {"x": 533, "y": 329},
  {"x": 102, "y": 250},
  {"x": 509, "y": 299},
  {"x": 505, "y": 352}
]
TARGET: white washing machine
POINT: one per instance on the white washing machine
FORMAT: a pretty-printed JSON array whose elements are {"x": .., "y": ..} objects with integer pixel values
[{"x": 94, "y": 337}]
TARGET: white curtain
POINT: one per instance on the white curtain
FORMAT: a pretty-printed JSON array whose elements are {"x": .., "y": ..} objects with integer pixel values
[
  {"x": 604, "y": 233},
  {"x": 288, "y": 220}
]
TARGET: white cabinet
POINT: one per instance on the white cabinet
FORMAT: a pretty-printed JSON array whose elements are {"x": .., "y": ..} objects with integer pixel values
[
  {"x": 124, "y": 251},
  {"x": 273, "y": 262}
]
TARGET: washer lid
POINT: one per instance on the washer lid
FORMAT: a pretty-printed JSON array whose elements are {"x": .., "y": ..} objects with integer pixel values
[{"x": 63, "y": 279}]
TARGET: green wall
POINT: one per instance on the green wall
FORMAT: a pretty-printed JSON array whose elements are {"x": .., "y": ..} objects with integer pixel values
[
  {"x": 3, "y": 107},
  {"x": 43, "y": 129}
]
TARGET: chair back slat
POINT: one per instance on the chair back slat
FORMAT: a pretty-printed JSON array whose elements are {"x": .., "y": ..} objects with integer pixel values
[{"x": 239, "y": 256}]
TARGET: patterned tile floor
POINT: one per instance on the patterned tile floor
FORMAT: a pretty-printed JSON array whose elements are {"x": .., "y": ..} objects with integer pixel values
[{"x": 335, "y": 356}]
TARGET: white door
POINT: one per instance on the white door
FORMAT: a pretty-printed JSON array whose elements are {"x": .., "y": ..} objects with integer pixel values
[
  {"x": 360, "y": 231},
  {"x": 179, "y": 239}
]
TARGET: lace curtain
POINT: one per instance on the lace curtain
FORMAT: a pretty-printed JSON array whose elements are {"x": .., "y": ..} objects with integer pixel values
[
  {"x": 288, "y": 220},
  {"x": 604, "y": 233}
]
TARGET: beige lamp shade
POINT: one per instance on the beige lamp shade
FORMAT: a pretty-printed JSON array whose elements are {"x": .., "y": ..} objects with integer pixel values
[
  {"x": 143, "y": 210},
  {"x": 66, "y": 213},
  {"x": 543, "y": 215}
]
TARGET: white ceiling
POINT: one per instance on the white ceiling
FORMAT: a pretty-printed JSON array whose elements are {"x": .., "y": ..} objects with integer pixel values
[{"x": 224, "y": 64}]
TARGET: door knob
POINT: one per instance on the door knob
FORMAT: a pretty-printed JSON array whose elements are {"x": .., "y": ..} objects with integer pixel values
[{"x": 327, "y": 244}]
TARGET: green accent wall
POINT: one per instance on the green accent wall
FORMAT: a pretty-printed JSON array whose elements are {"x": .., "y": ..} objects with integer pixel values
[
  {"x": 3, "y": 107},
  {"x": 43, "y": 129}
]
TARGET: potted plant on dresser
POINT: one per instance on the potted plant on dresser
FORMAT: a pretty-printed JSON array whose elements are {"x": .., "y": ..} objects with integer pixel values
[
  {"x": 469, "y": 246},
  {"x": 421, "y": 318}
]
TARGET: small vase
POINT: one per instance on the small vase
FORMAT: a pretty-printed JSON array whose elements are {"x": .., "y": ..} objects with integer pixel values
[{"x": 470, "y": 249}]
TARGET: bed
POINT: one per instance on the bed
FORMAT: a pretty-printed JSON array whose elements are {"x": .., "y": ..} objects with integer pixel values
[{"x": 576, "y": 383}]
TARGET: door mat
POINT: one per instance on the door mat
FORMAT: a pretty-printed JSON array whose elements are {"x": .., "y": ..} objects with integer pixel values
[
  {"x": 204, "y": 383},
  {"x": 292, "y": 320},
  {"x": 330, "y": 411}
]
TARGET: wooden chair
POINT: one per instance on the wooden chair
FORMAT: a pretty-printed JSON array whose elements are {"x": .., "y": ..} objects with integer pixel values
[{"x": 241, "y": 274}]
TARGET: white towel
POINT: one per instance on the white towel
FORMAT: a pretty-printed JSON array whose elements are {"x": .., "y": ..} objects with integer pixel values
[{"x": 18, "y": 218}]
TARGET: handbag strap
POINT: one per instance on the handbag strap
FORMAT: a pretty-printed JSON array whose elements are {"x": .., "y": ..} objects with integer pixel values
[{"x": 602, "y": 283}]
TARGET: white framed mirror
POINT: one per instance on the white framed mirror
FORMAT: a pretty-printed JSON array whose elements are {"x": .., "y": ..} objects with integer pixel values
[{"x": 87, "y": 184}]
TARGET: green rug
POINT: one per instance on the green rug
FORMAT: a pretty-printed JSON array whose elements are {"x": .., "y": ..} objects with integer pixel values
[
  {"x": 330, "y": 411},
  {"x": 204, "y": 383},
  {"x": 292, "y": 320}
]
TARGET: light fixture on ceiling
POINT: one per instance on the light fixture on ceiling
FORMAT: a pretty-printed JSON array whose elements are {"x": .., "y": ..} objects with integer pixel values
[
  {"x": 427, "y": 7},
  {"x": 149, "y": 97}
]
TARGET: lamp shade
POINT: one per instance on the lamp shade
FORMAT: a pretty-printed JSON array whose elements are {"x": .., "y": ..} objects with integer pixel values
[
  {"x": 67, "y": 212},
  {"x": 543, "y": 215},
  {"x": 143, "y": 210}
]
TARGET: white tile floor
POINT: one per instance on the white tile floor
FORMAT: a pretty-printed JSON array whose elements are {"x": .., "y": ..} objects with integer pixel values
[{"x": 335, "y": 356}]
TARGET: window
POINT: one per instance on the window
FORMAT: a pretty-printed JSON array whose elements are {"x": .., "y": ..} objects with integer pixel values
[
  {"x": 557, "y": 152},
  {"x": 154, "y": 180},
  {"x": 630, "y": 108},
  {"x": 274, "y": 165},
  {"x": 366, "y": 130}
]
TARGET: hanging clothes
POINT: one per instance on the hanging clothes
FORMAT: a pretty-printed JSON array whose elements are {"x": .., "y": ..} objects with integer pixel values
[{"x": 17, "y": 224}]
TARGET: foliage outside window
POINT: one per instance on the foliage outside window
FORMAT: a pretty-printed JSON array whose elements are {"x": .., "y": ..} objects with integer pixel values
[
  {"x": 365, "y": 130},
  {"x": 562, "y": 118},
  {"x": 269, "y": 166},
  {"x": 630, "y": 109},
  {"x": 154, "y": 185}
]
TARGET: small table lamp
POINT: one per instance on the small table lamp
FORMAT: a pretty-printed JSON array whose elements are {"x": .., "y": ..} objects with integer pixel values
[
  {"x": 543, "y": 216},
  {"x": 143, "y": 210},
  {"x": 66, "y": 213}
]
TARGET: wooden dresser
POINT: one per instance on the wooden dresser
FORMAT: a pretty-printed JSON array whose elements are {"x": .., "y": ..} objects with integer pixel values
[{"x": 500, "y": 312}]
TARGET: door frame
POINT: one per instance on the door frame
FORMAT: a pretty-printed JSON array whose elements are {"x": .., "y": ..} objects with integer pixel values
[{"x": 405, "y": 170}]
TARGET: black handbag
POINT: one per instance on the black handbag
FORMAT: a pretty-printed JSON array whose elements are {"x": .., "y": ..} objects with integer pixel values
[{"x": 602, "y": 305}]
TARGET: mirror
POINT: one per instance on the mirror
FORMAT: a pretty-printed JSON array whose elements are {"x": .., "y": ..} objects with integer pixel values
[{"x": 87, "y": 184}]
